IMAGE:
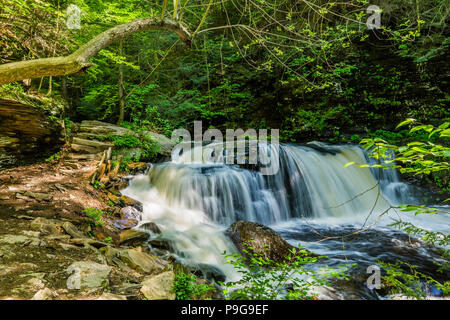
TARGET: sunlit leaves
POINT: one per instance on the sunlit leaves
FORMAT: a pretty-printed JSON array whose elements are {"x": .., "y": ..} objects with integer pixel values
[{"x": 416, "y": 157}]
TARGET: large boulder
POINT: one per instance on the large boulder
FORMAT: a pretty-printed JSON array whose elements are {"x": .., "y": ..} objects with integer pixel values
[
  {"x": 88, "y": 275},
  {"x": 159, "y": 287},
  {"x": 262, "y": 239},
  {"x": 143, "y": 262}
]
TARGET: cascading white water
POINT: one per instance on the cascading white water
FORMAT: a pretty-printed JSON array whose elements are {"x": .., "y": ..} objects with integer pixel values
[
  {"x": 393, "y": 188},
  {"x": 193, "y": 203}
]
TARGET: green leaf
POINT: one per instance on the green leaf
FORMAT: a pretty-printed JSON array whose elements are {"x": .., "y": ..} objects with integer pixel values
[{"x": 404, "y": 123}]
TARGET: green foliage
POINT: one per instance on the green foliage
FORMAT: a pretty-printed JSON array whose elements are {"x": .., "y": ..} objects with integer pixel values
[
  {"x": 186, "y": 287},
  {"x": 430, "y": 237},
  {"x": 125, "y": 141},
  {"x": 410, "y": 283},
  {"x": 265, "y": 279},
  {"x": 68, "y": 126},
  {"x": 53, "y": 157},
  {"x": 94, "y": 216},
  {"x": 355, "y": 138},
  {"x": 414, "y": 157},
  {"x": 420, "y": 158},
  {"x": 145, "y": 145}
]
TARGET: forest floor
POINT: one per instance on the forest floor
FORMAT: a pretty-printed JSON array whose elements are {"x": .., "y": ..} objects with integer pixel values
[
  {"x": 46, "y": 244},
  {"x": 49, "y": 190}
]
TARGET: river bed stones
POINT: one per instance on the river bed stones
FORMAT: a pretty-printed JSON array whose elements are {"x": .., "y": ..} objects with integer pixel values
[{"x": 262, "y": 240}]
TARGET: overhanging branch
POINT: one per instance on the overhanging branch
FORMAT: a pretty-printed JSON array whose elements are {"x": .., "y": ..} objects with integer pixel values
[{"x": 79, "y": 60}]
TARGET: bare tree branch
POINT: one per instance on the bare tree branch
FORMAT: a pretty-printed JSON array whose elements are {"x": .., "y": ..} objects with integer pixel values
[{"x": 79, "y": 60}]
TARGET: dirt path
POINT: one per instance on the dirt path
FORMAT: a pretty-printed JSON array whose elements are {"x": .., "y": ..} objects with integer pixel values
[
  {"x": 49, "y": 190},
  {"x": 43, "y": 234}
]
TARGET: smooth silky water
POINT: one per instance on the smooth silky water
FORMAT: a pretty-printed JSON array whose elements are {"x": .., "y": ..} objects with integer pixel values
[{"x": 313, "y": 195}]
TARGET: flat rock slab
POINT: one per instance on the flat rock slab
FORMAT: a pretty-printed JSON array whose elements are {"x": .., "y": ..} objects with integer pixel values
[
  {"x": 88, "y": 274},
  {"x": 140, "y": 261},
  {"x": 159, "y": 287}
]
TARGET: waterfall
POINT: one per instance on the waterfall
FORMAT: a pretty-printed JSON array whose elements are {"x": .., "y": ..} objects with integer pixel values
[
  {"x": 393, "y": 188},
  {"x": 193, "y": 202}
]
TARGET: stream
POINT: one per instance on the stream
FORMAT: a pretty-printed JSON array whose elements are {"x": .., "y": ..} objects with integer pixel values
[{"x": 313, "y": 195}]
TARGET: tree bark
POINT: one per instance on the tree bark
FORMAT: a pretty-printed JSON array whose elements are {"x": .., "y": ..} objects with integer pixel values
[
  {"x": 121, "y": 100},
  {"x": 79, "y": 60}
]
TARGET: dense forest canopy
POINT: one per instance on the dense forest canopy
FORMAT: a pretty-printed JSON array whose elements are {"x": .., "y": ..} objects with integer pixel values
[{"x": 311, "y": 68}]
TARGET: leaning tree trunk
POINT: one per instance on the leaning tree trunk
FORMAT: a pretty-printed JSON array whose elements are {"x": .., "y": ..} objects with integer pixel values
[{"x": 79, "y": 60}]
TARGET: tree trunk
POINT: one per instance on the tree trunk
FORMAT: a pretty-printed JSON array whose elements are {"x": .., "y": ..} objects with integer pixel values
[
  {"x": 79, "y": 60},
  {"x": 121, "y": 100},
  {"x": 64, "y": 88}
]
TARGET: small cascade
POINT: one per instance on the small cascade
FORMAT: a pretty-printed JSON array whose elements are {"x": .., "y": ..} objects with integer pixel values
[
  {"x": 194, "y": 201},
  {"x": 394, "y": 190}
]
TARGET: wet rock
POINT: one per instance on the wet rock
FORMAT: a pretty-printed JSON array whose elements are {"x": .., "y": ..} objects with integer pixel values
[
  {"x": 130, "y": 212},
  {"x": 137, "y": 167},
  {"x": 159, "y": 244},
  {"x": 151, "y": 227},
  {"x": 210, "y": 272},
  {"x": 159, "y": 287},
  {"x": 88, "y": 274},
  {"x": 262, "y": 239},
  {"x": 125, "y": 223},
  {"x": 126, "y": 201},
  {"x": 137, "y": 259},
  {"x": 121, "y": 185},
  {"x": 325, "y": 293},
  {"x": 132, "y": 235}
]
